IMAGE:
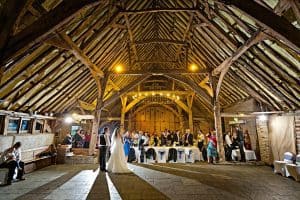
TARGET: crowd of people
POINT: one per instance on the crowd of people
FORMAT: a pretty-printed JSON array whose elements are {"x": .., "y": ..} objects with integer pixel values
[
  {"x": 81, "y": 139},
  {"x": 237, "y": 139}
]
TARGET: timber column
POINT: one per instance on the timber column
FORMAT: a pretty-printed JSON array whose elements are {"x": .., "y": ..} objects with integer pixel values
[
  {"x": 190, "y": 112},
  {"x": 123, "y": 111}
]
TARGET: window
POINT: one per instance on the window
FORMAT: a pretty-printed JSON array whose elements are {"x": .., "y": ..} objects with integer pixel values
[
  {"x": 13, "y": 125},
  {"x": 74, "y": 129},
  {"x": 25, "y": 124},
  {"x": 39, "y": 126}
]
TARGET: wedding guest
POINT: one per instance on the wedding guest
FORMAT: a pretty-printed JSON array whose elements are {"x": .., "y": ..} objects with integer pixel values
[
  {"x": 247, "y": 140},
  {"x": 87, "y": 140},
  {"x": 188, "y": 139},
  {"x": 228, "y": 146},
  {"x": 176, "y": 138},
  {"x": 202, "y": 144},
  {"x": 155, "y": 140},
  {"x": 78, "y": 140},
  {"x": 127, "y": 144},
  {"x": 146, "y": 139},
  {"x": 141, "y": 146},
  {"x": 212, "y": 148},
  {"x": 11, "y": 159},
  {"x": 68, "y": 139},
  {"x": 104, "y": 145},
  {"x": 169, "y": 138},
  {"x": 163, "y": 139},
  {"x": 240, "y": 137},
  {"x": 136, "y": 139}
]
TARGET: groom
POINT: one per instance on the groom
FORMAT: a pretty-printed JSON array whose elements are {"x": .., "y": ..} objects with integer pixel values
[{"x": 104, "y": 145}]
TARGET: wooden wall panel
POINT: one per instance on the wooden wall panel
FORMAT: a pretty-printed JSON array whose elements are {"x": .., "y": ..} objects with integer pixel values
[{"x": 155, "y": 119}]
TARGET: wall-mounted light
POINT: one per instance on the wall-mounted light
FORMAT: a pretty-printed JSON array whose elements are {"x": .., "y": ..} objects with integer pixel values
[
  {"x": 68, "y": 119},
  {"x": 262, "y": 118}
]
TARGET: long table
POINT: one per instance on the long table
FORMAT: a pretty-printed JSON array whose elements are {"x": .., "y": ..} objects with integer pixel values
[
  {"x": 249, "y": 154},
  {"x": 191, "y": 152}
]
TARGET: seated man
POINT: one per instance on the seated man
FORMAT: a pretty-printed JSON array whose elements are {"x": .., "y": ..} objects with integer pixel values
[{"x": 11, "y": 159}]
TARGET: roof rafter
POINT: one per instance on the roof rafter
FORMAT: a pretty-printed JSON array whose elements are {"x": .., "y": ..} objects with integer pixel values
[
  {"x": 277, "y": 26},
  {"x": 46, "y": 24}
]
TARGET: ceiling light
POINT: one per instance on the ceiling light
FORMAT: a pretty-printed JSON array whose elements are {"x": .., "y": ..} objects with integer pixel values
[
  {"x": 68, "y": 119},
  {"x": 193, "y": 67},
  {"x": 119, "y": 68},
  {"x": 262, "y": 117}
]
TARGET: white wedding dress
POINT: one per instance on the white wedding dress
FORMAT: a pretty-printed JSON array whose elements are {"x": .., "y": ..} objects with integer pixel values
[{"x": 117, "y": 162}]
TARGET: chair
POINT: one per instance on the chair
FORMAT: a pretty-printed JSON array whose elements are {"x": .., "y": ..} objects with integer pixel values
[
  {"x": 162, "y": 156},
  {"x": 150, "y": 156},
  {"x": 293, "y": 170},
  {"x": 172, "y": 157},
  {"x": 190, "y": 157},
  {"x": 180, "y": 155},
  {"x": 280, "y": 166}
]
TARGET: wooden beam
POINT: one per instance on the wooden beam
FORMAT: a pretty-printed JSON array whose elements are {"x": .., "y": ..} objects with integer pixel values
[
  {"x": 127, "y": 88},
  {"x": 225, "y": 65},
  {"x": 192, "y": 85},
  {"x": 58, "y": 42},
  {"x": 46, "y": 24},
  {"x": 131, "y": 37},
  {"x": 157, "y": 10},
  {"x": 160, "y": 41},
  {"x": 277, "y": 26},
  {"x": 78, "y": 53},
  {"x": 9, "y": 14},
  {"x": 159, "y": 92},
  {"x": 156, "y": 62},
  {"x": 161, "y": 72},
  {"x": 115, "y": 87},
  {"x": 204, "y": 85}
]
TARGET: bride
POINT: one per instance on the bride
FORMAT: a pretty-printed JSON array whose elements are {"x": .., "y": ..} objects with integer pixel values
[{"x": 117, "y": 162}]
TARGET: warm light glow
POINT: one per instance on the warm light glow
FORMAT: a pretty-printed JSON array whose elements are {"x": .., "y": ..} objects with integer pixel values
[
  {"x": 153, "y": 93},
  {"x": 160, "y": 94},
  {"x": 262, "y": 117},
  {"x": 193, "y": 67},
  {"x": 119, "y": 68},
  {"x": 68, "y": 120},
  {"x": 177, "y": 97},
  {"x": 168, "y": 94}
]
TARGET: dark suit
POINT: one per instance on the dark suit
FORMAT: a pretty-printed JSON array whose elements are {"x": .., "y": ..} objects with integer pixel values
[
  {"x": 176, "y": 138},
  {"x": 102, "y": 151},
  {"x": 188, "y": 139}
]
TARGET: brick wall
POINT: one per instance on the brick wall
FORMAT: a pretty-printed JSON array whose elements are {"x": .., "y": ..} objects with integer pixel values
[{"x": 264, "y": 141}]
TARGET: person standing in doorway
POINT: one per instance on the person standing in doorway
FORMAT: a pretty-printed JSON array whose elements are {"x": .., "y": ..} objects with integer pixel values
[{"x": 104, "y": 145}]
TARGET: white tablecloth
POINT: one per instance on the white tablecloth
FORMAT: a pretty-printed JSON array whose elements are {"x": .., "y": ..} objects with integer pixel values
[
  {"x": 197, "y": 155},
  {"x": 249, "y": 154}
]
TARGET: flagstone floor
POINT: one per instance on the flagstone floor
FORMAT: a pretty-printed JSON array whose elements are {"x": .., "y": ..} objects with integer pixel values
[{"x": 158, "y": 181}]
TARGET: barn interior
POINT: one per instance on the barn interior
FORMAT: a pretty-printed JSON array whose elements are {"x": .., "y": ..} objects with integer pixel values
[{"x": 152, "y": 66}]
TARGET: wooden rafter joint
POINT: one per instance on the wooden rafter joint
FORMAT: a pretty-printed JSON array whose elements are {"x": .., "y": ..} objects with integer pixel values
[{"x": 207, "y": 87}]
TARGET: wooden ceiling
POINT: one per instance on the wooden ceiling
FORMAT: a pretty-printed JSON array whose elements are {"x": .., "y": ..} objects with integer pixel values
[{"x": 54, "y": 52}]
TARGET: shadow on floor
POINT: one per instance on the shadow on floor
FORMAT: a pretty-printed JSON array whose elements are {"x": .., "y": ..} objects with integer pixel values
[
  {"x": 99, "y": 189},
  {"x": 131, "y": 187},
  {"x": 44, "y": 190}
]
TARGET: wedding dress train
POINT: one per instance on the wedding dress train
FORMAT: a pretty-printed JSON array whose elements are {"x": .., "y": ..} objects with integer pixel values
[{"x": 117, "y": 162}]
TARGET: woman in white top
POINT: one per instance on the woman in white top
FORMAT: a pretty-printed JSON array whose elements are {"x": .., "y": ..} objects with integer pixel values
[{"x": 117, "y": 162}]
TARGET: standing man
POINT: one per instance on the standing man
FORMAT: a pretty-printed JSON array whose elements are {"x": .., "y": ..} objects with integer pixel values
[
  {"x": 240, "y": 137},
  {"x": 11, "y": 159},
  {"x": 188, "y": 140},
  {"x": 104, "y": 145}
]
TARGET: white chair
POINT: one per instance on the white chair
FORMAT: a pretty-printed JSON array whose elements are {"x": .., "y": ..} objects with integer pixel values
[
  {"x": 180, "y": 155},
  {"x": 162, "y": 156},
  {"x": 189, "y": 156},
  {"x": 293, "y": 170},
  {"x": 151, "y": 159},
  {"x": 280, "y": 166}
]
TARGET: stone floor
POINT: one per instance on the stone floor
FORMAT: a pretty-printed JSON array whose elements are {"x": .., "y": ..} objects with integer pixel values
[{"x": 158, "y": 181}]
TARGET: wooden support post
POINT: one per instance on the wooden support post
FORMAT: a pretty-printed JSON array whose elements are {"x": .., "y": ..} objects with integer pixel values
[
  {"x": 95, "y": 128},
  {"x": 190, "y": 112},
  {"x": 123, "y": 111},
  {"x": 5, "y": 125},
  {"x": 218, "y": 127},
  {"x": 33, "y": 125}
]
